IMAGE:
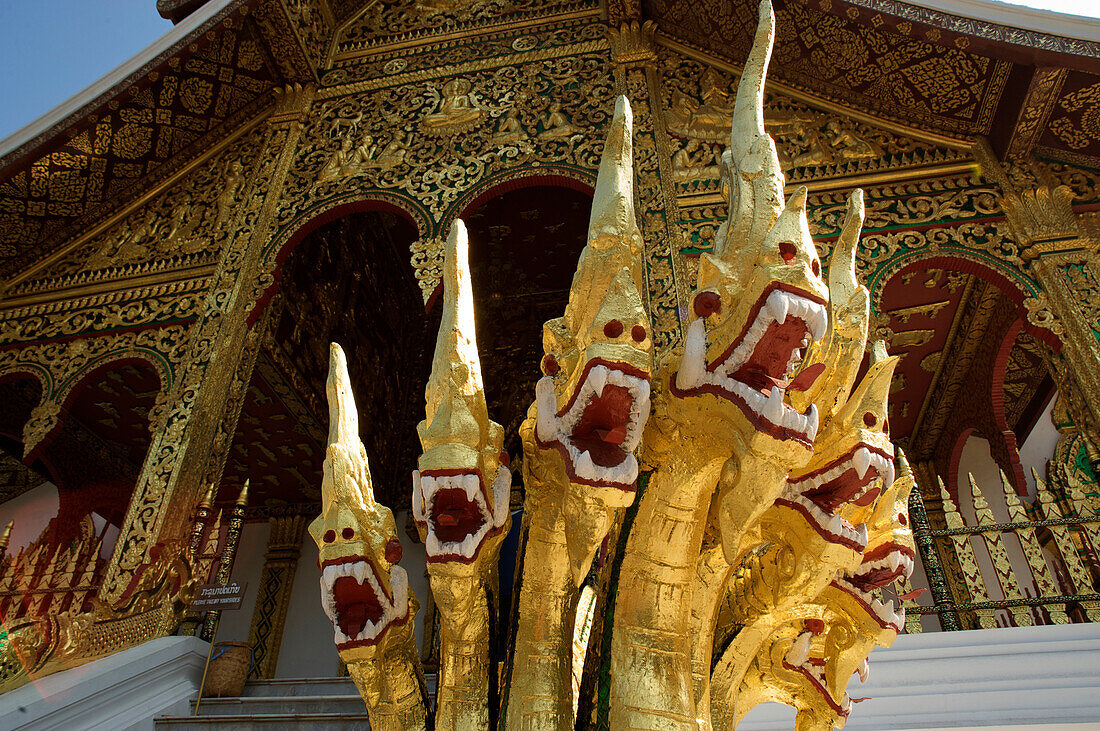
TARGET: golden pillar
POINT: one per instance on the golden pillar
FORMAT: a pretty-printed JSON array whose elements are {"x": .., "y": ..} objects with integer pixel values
[
  {"x": 172, "y": 479},
  {"x": 1059, "y": 249},
  {"x": 284, "y": 546}
]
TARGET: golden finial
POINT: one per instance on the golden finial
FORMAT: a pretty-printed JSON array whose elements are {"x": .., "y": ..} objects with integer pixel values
[{"x": 242, "y": 499}]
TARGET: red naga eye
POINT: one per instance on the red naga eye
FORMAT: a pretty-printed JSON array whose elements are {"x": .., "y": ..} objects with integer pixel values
[
  {"x": 817, "y": 626},
  {"x": 330, "y": 536},
  {"x": 869, "y": 419},
  {"x": 505, "y": 458},
  {"x": 348, "y": 534},
  {"x": 613, "y": 329},
  {"x": 816, "y": 266},
  {"x": 902, "y": 519},
  {"x": 550, "y": 365},
  {"x": 787, "y": 251},
  {"x": 638, "y": 333},
  {"x": 393, "y": 550},
  {"x": 707, "y": 304}
]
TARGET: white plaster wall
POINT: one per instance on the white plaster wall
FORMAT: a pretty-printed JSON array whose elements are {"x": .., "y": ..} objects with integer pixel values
[
  {"x": 31, "y": 511},
  {"x": 307, "y": 650},
  {"x": 246, "y": 568},
  {"x": 1038, "y": 447},
  {"x": 977, "y": 460},
  {"x": 414, "y": 561}
]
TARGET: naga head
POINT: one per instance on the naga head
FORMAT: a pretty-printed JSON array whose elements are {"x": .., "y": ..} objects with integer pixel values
[
  {"x": 364, "y": 592},
  {"x": 760, "y": 301},
  {"x": 890, "y": 555},
  {"x": 790, "y": 668},
  {"x": 461, "y": 489},
  {"x": 592, "y": 402},
  {"x": 853, "y": 457},
  {"x": 816, "y": 657}
]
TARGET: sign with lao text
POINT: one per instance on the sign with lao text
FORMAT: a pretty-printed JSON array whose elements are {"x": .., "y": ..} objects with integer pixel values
[{"x": 218, "y": 596}]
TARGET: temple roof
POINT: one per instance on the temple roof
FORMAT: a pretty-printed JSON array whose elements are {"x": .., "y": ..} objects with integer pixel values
[{"x": 953, "y": 77}]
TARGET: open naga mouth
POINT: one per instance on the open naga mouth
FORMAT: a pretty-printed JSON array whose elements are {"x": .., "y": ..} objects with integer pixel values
[
  {"x": 455, "y": 507},
  {"x": 849, "y": 479},
  {"x": 761, "y": 364},
  {"x": 601, "y": 425},
  {"x": 880, "y": 568},
  {"x": 355, "y": 602},
  {"x": 799, "y": 660}
]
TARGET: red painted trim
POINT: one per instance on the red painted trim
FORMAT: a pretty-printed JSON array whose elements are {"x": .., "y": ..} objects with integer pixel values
[
  {"x": 997, "y": 378},
  {"x": 530, "y": 181},
  {"x": 953, "y": 464}
]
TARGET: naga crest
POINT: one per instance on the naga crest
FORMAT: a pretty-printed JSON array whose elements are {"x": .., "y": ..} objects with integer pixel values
[{"x": 461, "y": 489}]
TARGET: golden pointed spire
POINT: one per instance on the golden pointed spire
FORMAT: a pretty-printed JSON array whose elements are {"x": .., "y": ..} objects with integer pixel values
[
  {"x": 208, "y": 499},
  {"x": 242, "y": 498},
  {"x": 750, "y": 168},
  {"x": 346, "y": 475},
  {"x": 343, "y": 419},
  {"x": 614, "y": 240},
  {"x": 455, "y": 407},
  {"x": 612, "y": 221},
  {"x": 5, "y": 538}
]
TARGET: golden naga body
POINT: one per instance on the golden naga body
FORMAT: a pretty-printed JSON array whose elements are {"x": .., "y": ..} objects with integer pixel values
[{"x": 769, "y": 513}]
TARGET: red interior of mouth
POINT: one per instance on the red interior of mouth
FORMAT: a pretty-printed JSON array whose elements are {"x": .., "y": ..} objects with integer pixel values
[
  {"x": 767, "y": 366},
  {"x": 356, "y": 604},
  {"x": 602, "y": 427},
  {"x": 453, "y": 516},
  {"x": 875, "y": 578},
  {"x": 840, "y": 490}
]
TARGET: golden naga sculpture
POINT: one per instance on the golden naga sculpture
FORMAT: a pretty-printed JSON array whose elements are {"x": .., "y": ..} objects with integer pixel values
[
  {"x": 363, "y": 590},
  {"x": 761, "y": 484}
]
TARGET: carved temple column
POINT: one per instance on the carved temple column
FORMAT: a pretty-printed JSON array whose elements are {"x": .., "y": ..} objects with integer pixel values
[
  {"x": 179, "y": 457},
  {"x": 634, "y": 58},
  {"x": 284, "y": 546},
  {"x": 1060, "y": 250}
]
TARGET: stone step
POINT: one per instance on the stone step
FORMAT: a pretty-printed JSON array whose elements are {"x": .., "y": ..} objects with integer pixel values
[
  {"x": 287, "y": 704},
  {"x": 268, "y": 722},
  {"x": 290, "y": 687}
]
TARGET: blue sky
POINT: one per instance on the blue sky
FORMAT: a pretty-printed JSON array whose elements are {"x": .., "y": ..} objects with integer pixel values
[{"x": 52, "y": 49}]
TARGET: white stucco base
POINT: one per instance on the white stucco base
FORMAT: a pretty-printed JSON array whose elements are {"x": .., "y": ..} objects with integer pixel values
[
  {"x": 1033, "y": 678},
  {"x": 124, "y": 691},
  {"x": 1015, "y": 679}
]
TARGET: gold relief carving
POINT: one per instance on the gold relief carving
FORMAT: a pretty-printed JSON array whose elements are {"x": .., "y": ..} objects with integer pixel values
[
  {"x": 1078, "y": 125},
  {"x": 1040, "y": 314},
  {"x": 172, "y": 477},
  {"x": 633, "y": 42},
  {"x": 427, "y": 261},
  {"x": 405, "y": 20},
  {"x": 43, "y": 420},
  {"x": 1035, "y": 111},
  {"x": 553, "y": 102},
  {"x": 458, "y": 110},
  {"x": 1042, "y": 219},
  {"x": 181, "y": 228}
]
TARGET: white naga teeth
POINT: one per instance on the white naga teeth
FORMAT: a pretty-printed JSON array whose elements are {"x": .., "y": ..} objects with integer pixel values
[
  {"x": 862, "y": 461},
  {"x": 361, "y": 571},
  {"x": 427, "y": 487},
  {"x": 545, "y": 408},
  {"x": 693, "y": 372},
  {"x": 773, "y": 410},
  {"x": 418, "y": 498},
  {"x": 554, "y": 428},
  {"x": 597, "y": 377},
  {"x": 863, "y": 670},
  {"x": 800, "y": 650},
  {"x": 779, "y": 306},
  {"x": 693, "y": 366},
  {"x": 502, "y": 493}
]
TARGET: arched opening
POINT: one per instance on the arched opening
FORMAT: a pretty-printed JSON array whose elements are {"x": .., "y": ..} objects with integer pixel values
[
  {"x": 28, "y": 493},
  {"x": 350, "y": 280}
]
